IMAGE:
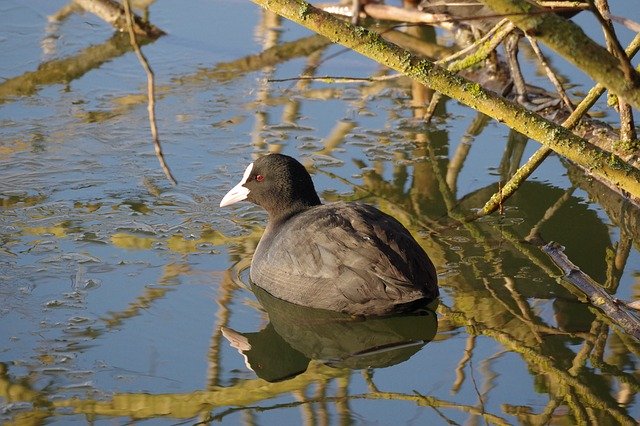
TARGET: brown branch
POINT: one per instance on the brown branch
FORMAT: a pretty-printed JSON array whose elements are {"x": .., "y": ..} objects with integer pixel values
[
  {"x": 599, "y": 298},
  {"x": 391, "y": 13},
  {"x": 601, "y": 11},
  {"x": 116, "y": 15},
  {"x": 627, "y": 128},
  {"x": 502, "y": 29},
  {"x": 550, "y": 74}
]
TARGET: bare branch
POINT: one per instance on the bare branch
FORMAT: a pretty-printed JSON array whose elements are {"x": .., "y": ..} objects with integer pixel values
[
  {"x": 116, "y": 15},
  {"x": 596, "y": 294}
]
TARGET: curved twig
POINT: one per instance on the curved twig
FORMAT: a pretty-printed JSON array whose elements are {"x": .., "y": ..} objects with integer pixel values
[{"x": 150, "y": 92}]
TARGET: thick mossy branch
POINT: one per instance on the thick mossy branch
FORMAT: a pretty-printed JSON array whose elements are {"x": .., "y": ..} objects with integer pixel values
[
  {"x": 603, "y": 164},
  {"x": 568, "y": 40}
]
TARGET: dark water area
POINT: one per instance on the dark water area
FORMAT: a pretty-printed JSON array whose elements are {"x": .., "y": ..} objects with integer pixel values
[{"x": 125, "y": 299}]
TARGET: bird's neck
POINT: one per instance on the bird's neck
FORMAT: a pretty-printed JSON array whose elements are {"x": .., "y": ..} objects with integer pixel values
[{"x": 286, "y": 210}]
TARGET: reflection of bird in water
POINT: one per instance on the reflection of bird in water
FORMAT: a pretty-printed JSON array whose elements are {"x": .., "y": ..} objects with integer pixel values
[
  {"x": 296, "y": 334},
  {"x": 345, "y": 257}
]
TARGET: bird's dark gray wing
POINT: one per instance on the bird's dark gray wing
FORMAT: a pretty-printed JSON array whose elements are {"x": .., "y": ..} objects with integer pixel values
[{"x": 346, "y": 257}]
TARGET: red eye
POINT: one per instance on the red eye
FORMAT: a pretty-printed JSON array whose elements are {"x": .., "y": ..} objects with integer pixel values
[{"x": 259, "y": 178}]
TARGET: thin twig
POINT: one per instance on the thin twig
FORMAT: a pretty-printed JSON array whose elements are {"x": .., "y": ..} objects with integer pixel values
[
  {"x": 550, "y": 74},
  {"x": 330, "y": 79},
  {"x": 627, "y": 127},
  {"x": 563, "y": 5},
  {"x": 625, "y": 22},
  {"x": 431, "y": 108},
  {"x": 489, "y": 36},
  {"x": 150, "y": 94}
]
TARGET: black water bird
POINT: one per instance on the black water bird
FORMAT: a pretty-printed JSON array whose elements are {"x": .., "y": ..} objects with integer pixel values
[{"x": 346, "y": 257}]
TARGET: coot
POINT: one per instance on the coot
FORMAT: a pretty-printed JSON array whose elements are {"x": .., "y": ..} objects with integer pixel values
[{"x": 346, "y": 257}]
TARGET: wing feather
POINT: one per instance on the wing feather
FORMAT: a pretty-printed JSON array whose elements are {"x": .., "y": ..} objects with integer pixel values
[{"x": 342, "y": 255}]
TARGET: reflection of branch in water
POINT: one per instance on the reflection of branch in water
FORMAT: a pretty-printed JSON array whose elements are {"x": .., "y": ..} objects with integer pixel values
[
  {"x": 534, "y": 233},
  {"x": 578, "y": 409},
  {"x": 54, "y": 21},
  {"x": 367, "y": 376},
  {"x": 342, "y": 404},
  {"x": 280, "y": 53},
  {"x": 468, "y": 353},
  {"x": 512, "y": 155},
  {"x": 616, "y": 261},
  {"x": 528, "y": 318},
  {"x": 491, "y": 376},
  {"x": 321, "y": 399},
  {"x": 63, "y": 71},
  {"x": 151, "y": 108},
  {"x": 621, "y": 212},
  {"x": 306, "y": 410},
  {"x": 535, "y": 256},
  {"x": 527, "y": 313},
  {"x": 18, "y": 390},
  {"x": 169, "y": 275},
  {"x": 524, "y": 318},
  {"x": 454, "y": 166},
  {"x": 291, "y": 110},
  {"x": 142, "y": 302},
  {"x": 580, "y": 360},
  {"x": 628, "y": 380},
  {"x": 225, "y": 296},
  {"x": 419, "y": 399},
  {"x": 187, "y": 405},
  {"x": 336, "y": 137},
  {"x": 544, "y": 364},
  {"x": 266, "y": 29}
]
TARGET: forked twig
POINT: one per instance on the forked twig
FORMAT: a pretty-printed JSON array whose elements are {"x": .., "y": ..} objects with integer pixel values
[{"x": 151, "y": 106}]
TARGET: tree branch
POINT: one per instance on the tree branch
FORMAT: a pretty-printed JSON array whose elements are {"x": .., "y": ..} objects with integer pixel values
[
  {"x": 114, "y": 14},
  {"x": 569, "y": 41},
  {"x": 605, "y": 165},
  {"x": 596, "y": 294}
]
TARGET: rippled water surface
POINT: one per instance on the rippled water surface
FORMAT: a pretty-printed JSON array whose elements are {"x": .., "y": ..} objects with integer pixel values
[{"x": 126, "y": 298}]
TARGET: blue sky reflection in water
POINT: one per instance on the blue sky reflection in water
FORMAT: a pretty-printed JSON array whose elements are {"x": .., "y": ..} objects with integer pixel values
[{"x": 114, "y": 285}]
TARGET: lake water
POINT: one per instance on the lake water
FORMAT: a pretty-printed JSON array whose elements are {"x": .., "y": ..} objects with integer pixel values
[{"x": 117, "y": 289}]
